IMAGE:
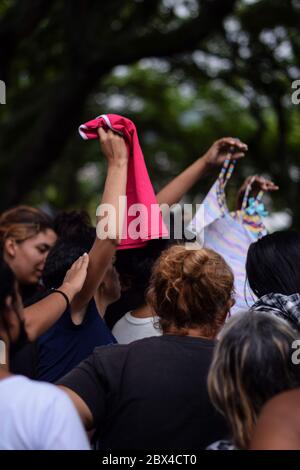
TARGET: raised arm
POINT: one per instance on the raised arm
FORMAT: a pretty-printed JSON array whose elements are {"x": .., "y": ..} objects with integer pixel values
[
  {"x": 40, "y": 316},
  {"x": 114, "y": 148},
  {"x": 214, "y": 157}
]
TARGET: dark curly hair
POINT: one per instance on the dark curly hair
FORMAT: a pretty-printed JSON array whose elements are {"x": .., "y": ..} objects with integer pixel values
[
  {"x": 135, "y": 267},
  {"x": 273, "y": 264},
  {"x": 77, "y": 236},
  {"x": 73, "y": 224}
]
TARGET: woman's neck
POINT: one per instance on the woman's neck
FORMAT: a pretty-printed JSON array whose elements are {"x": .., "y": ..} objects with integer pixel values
[
  {"x": 197, "y": 332},
  {"x": 4, "y": 372},
  {"x": 101, "y": 303},
  {"x": 4, "y": 349},
  {"x": 142, "y": 312}
]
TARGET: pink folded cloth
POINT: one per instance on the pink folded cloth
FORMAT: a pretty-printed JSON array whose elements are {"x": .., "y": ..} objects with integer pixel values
[{"x": 144, "y": 220}]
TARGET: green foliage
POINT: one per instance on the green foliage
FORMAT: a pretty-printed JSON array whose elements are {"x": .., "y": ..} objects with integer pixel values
[{"x": 185, "y": 72}]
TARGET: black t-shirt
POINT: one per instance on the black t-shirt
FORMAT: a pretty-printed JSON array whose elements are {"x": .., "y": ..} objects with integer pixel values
[{"x": 150, "y": 394}]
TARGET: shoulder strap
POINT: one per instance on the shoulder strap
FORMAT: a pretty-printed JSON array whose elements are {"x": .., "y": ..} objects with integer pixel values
[
  {"x": 223, "y": 178},
  {"x": 250, "y": 210},
  {"x": 247, "y": 193}
]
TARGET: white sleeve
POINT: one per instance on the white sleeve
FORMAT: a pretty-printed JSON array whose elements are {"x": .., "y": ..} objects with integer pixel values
[{"x": 61, "y": 428}]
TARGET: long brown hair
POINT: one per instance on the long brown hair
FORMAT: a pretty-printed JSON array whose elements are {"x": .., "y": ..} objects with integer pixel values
[
  {"x": 252, "y": 363},
  {"x": 21, "y": 223}
]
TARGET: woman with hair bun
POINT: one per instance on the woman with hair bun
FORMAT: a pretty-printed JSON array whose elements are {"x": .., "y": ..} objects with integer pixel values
[{"x": 152, "y": 393}]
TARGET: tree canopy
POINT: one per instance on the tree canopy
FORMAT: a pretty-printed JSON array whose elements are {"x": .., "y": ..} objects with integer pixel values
[{"x": 186, "y": 72}]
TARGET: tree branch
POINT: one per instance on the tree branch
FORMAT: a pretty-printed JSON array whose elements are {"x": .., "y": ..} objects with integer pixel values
[
  {"x": 19, "y": 22},
  {"x": 186, "y": 38}
]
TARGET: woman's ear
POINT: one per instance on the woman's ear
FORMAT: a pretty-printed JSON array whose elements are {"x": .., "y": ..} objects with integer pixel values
[
  {"x": 10, "y": 247},
  {"x": 230, "y": 304}
]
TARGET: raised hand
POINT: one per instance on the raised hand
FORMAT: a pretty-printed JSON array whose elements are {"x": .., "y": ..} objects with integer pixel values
[
  {"x": 113, "y": 147},
  {"x": 75, "y": 277},
  {"x": 260, "y": 183},
  {"x": 227, "y": 147}
]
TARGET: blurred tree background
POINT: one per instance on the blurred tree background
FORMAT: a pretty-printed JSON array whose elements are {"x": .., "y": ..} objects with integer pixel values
[{"x": 187, "y": 72}]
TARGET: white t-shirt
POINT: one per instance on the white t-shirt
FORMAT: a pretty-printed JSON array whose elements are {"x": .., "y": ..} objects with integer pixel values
[
  {"x": 130, "y": 328},
  {"x": 38, "y": 416}
]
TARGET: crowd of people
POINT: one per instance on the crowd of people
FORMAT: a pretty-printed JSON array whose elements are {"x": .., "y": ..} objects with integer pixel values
[{"x": 137, "y": 348}]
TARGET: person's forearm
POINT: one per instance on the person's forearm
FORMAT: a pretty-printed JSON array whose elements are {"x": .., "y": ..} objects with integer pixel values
[
  {"x": 174, "y": 191},
  {"x": 81, "y": 407},
  {"x": 106, "y": 242},
  {"x": 114, "y": 189},
  {"x": 39, "y": 317}
]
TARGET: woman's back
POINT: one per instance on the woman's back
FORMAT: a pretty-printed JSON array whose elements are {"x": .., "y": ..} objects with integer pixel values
[{"x": 150, "y": 394}]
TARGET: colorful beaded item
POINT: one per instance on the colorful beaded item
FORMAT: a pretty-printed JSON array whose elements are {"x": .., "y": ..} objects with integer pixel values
[{"x": 252, "y": 209}]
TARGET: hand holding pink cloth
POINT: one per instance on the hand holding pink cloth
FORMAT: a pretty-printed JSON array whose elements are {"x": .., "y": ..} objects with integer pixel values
[{"x": 143, "y": 220}]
